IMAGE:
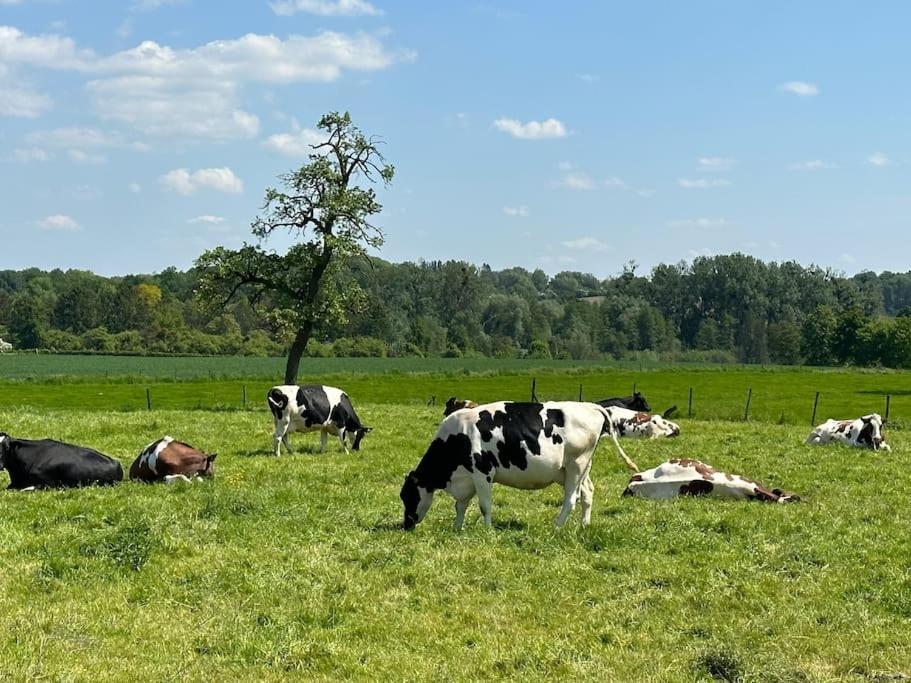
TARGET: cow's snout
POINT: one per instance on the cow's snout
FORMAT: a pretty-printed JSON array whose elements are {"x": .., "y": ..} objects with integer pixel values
[{"x": 675, "y": 431}]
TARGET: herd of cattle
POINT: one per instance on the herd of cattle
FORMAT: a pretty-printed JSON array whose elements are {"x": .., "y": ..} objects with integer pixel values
[{"x": 521, "y": 445}]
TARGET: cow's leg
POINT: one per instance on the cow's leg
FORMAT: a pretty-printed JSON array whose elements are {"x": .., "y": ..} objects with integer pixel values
[
  {"x": 341, "y": 440},
  {"x": 175, "y": 478},
  {"x": 323, "y": 440},
  {"x": 588, "y": 492},
  {"x": 572, "y": 485},
  {"x": 281, "y": 436},
  {"x": 485, "y": 500},
  {"x": 461, "y": 505}
]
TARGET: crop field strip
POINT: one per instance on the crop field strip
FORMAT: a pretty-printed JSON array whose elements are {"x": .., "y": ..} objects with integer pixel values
[
  {"x": 779, "y": 395},
  {"x": 295, "y": 566}
]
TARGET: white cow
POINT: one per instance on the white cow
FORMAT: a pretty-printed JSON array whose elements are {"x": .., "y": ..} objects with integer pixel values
[
  {"x": 642, "y": 425},
  {"x": 5, "y": 346},
  {"x": 864, "y": 432},
  {"x": 522, "y": 445},
  {"x": 314, "y": 408},
  {"x": 693, "y": 478}
]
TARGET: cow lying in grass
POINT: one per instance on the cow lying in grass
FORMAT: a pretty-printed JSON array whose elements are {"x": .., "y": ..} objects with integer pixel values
[
  {"x": 522, "y": 445},
  {"x": 311, "y": 408},
  {"x": 171, "y": 461},
  {"x": 453, "y": 404},
  {"x": 630, "y": 423},
  {"x": 864, "y": 432},
  {"x": 51, "y": 464},
  {"x": 635, "y": 402},
  {"x": 693, "y": 478}
]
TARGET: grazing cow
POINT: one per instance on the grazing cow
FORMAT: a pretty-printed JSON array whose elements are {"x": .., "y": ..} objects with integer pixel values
[
  {"x": 522, "y": 445},
  {"x": 169, "y": 461},
  {"x": 314, "y": 407},
  {"x": 52, "y": 464},
  {"x": 864, "y": 432},
  {"x": 454, "y": 404},
  {"x": 693, "y": 478},
  {"x": 635, "y": 402},
  {"x": 642, "y": 425},
  {"x": 5, "y": 346}
]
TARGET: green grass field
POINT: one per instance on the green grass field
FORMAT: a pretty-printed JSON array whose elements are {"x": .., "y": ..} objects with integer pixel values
[{"x": 294, "y": 567}]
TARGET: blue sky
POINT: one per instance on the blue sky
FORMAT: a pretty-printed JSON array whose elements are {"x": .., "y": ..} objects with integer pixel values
[{"x": 566, "y": 136}]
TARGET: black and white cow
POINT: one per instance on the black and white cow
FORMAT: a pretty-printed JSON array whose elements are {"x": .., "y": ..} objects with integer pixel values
[
  {"x": 453, "y": 404},
  {"x": 52, "y": 464},
  {"x": 311, "y": 408},
  {"x": 864, "y": 432},
  {"x": 522, "y": 445},
  {"x": 686, "y": 477},
  {"x": 635, "y": 402},
  {"x": 630, "y": 423}
]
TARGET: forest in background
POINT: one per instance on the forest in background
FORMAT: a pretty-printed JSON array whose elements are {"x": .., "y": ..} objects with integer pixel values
[{"x": 729, "y": 308}]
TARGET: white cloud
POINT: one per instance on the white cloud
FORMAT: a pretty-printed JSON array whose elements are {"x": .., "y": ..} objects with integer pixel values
[
  {"x": 812, "y": 165},
  {"x": 154, "y": 4},
  {"x": 80, "y": 156},
  {"x": 23, "y": 103},
  {"x": 196, "y": 91},
  {"x": 135, "y": 188},
  {"x": 879, "y": 159},
  {"x": 716, "y": 163},
  {"x": 532, "y": 130},
  {"x": 211, "y": 220},
  {"x": 518, "y": 211},
  {"x": 586, "y": 244},
  {"x": 295, "y": 144},
  {"x": 325, "y": 8},
  {"x": 799, "y": 88},
  {"x": 577, "y": 180},
  {"x": 58, "y": 222},
  {"x": 565, "y": 166},
  {"x": 588, "y": 78},
  {"x": 77, "y": 138},
  {"x": 184, "y": 182},
  {"x": 615, "y": 182},
  {"x": 699, "y": 223},
  {"x": 846, "y": 258},
  {"x": 705, "y": 251},
  {"x": 702, "y": 183},
  {"x": 26, "y": 155}
]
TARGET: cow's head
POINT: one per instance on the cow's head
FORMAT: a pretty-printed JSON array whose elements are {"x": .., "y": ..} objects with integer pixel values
[
  {"x": 784, "y": 497},
  {"x": 638, "y": 402},
  {"x": 416, "y": 500},
  {"x": 454, "y": 404},
  {"x": 871, "y": 434},
  {"x": 662, "y": 427},
  {"x": 358, "y": 435},
  {"x": 4, "y": 449},
  {"x": 209, "y": 469}
]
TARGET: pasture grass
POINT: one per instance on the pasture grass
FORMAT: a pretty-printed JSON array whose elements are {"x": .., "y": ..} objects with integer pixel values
[
  {"x": 295, "y": 568},
  {"x": 780, "y": 395}
]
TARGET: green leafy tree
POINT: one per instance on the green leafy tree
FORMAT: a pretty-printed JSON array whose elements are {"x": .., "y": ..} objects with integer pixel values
[{"x": 323, "y": 206}]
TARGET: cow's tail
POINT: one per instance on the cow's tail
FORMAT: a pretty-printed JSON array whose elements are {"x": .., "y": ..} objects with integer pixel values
[{"x": 609, "y": 428}]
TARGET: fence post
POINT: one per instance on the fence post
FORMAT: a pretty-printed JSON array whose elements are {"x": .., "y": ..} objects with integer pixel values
[
  {"x": 634, "y": 388},
  {"x": 148, "y": 398},
  {"x": 245, "y": 395},
  {"x": 815, "y": 405},
  {"x": 746, "y": 410},
  {"x": 580, "y": 397},
  {"x": 689, "y": 409},
  {"x": 534, "y": 395},
  {"x": 888, "y": 405}
]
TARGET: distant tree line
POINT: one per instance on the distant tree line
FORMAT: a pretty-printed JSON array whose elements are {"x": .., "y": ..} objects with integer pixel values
[{"x": 722, "y": 308}]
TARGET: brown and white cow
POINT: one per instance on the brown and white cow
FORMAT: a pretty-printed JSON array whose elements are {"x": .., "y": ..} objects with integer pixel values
[
  {"x": 171, "y": 461},
  {"x": 864, "y": 432},
  {"x": 454, "y": 404},
  {"x": 694, "y": 478},
  {"x": 631, "y": 423},
  {"x": 522, "y": 445}
]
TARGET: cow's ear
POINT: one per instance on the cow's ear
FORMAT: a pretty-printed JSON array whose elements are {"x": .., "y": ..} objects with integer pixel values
[
  {"x": 778, "y": 492},
  {"x": 211, "y": 457}
]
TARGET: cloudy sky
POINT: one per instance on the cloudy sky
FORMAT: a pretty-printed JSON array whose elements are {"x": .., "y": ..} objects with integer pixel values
[{"x": 567, "y": 136}]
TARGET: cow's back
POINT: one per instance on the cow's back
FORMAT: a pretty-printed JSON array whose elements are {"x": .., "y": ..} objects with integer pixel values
[{"x": 53, "y": 464}]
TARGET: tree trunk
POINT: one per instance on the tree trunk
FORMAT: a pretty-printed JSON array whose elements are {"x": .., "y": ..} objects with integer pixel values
[{"x": 295, "y": 353}]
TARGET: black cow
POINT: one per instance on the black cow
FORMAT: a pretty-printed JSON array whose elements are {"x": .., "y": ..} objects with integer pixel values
[
  {"x": 311, "y": 408},
  {"x": 635, "y": 402},
  {"x": 52, "y": 464}
]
